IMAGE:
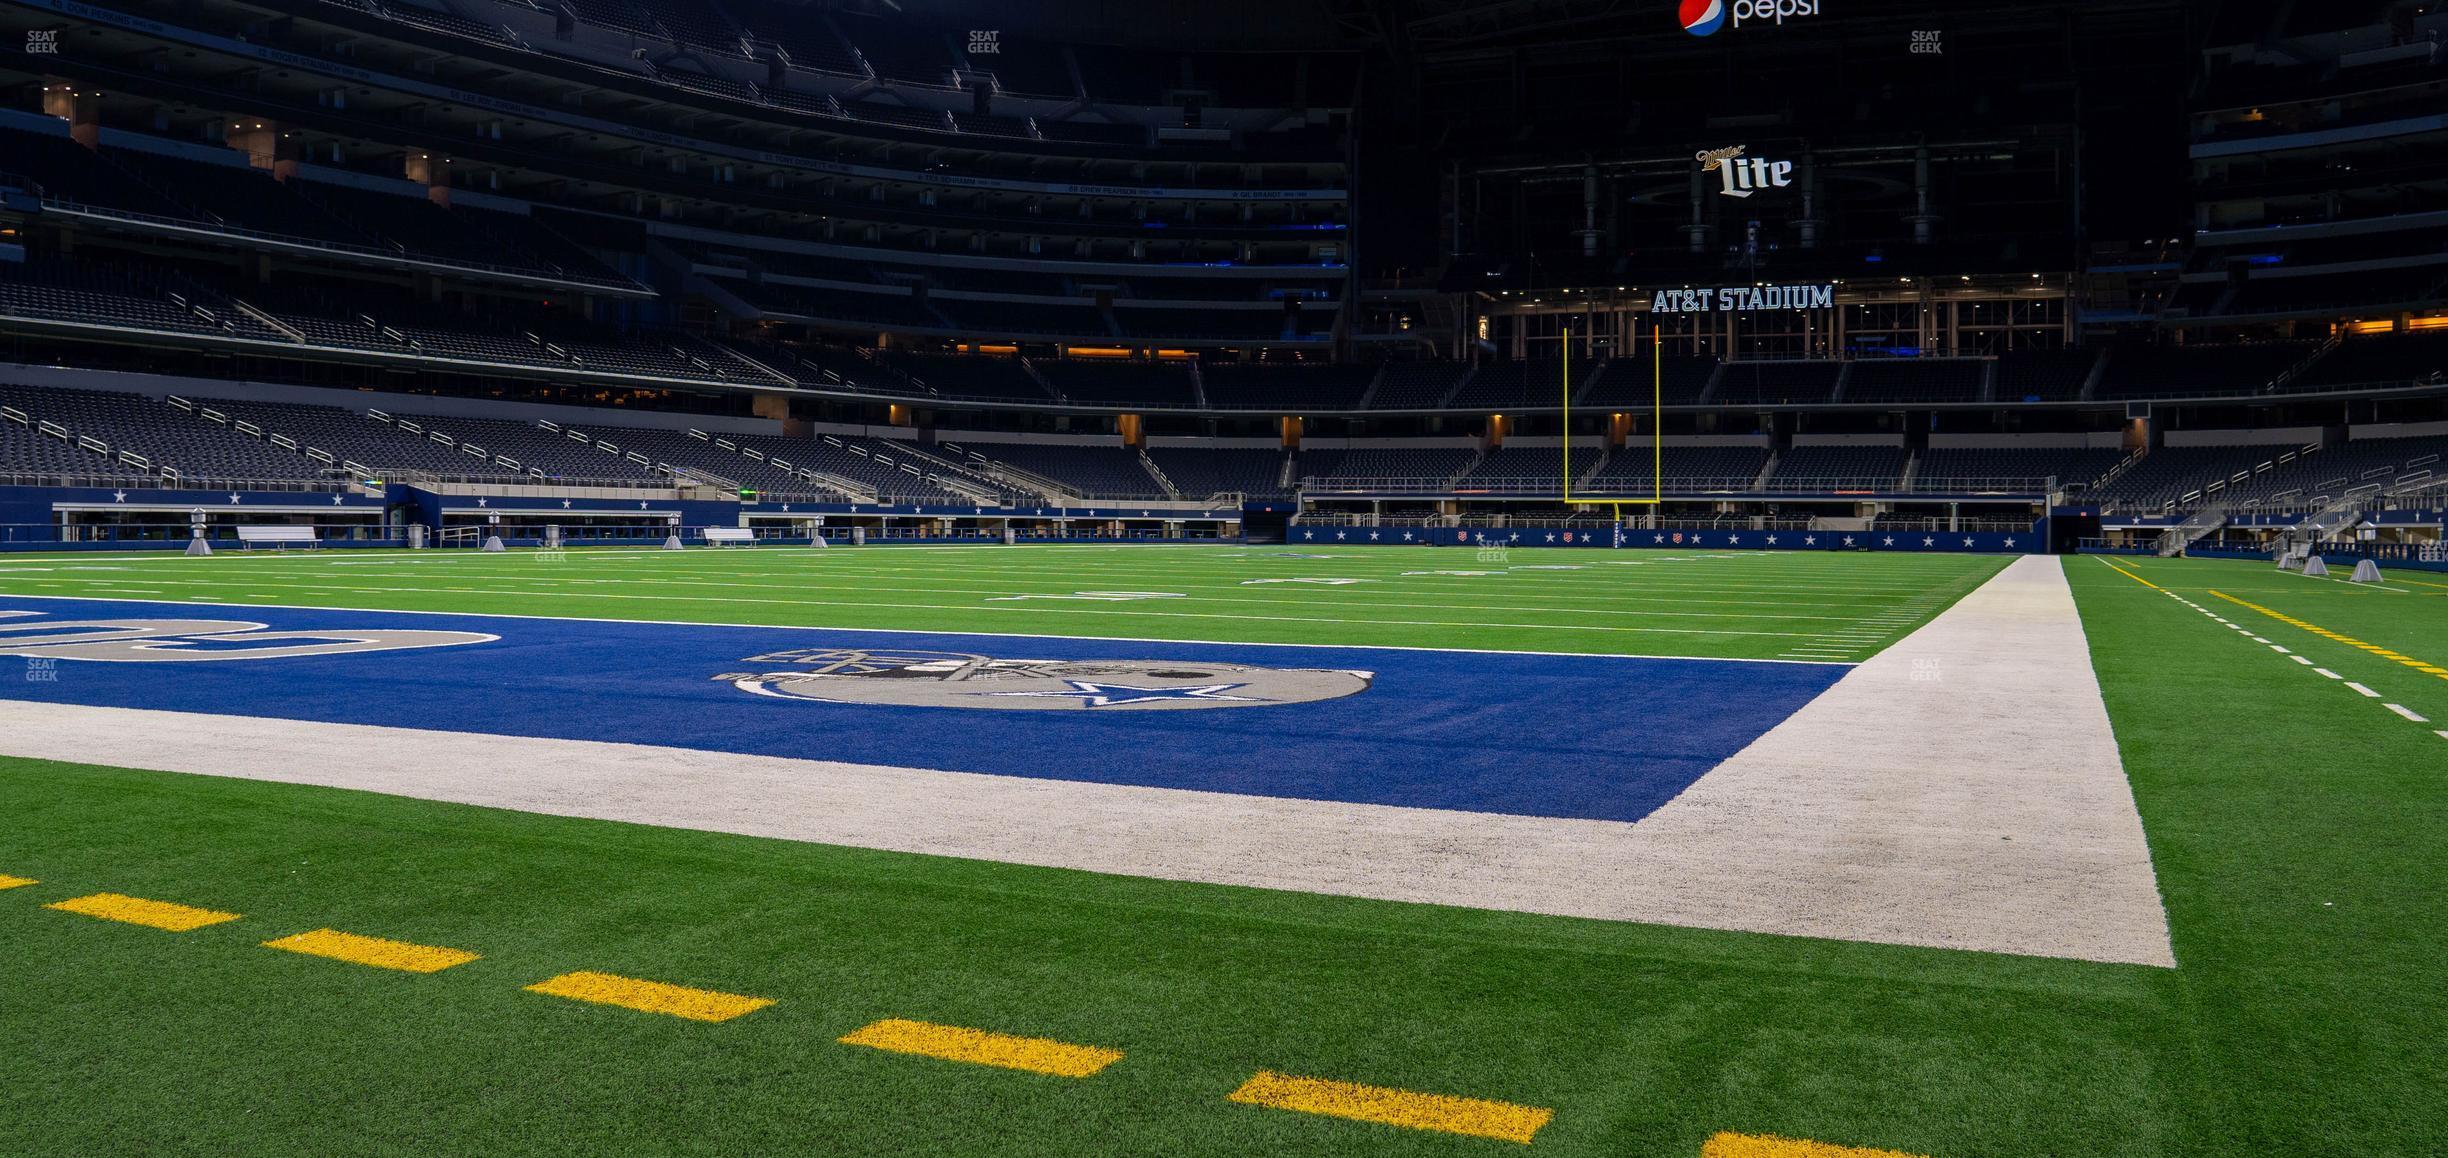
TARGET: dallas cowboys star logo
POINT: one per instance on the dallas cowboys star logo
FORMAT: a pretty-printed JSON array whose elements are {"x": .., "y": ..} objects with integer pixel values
[{"x": 1097, "y": 695}]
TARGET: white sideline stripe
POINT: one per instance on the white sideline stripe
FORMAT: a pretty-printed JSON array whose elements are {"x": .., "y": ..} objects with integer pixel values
[
  {"x": 2330, "y": 674},
  {"x": 2367, "y": 693},
  {"x": 1825, "y": 827},
  {"x": 2407, "y": 712},
  {"x": 2304, "y": 660},
  {"x": 212, "y": 601}
]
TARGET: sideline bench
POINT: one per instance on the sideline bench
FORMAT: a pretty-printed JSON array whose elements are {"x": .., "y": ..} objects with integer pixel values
[
  {"x": 279, "y": 536},
  {"x": 726, "y": 536}
]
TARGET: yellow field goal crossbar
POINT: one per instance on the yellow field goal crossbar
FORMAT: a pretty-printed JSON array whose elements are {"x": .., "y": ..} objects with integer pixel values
[{"x": 1657, "y": 425}]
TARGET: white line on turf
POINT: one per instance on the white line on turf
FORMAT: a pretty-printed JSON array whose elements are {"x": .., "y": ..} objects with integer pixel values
[
  {"x": 2407, "y": 712},
  {"x": 2330, "y": 674},
  {"x": 1823, "y": 828},
  {"x": 2364, "y": 691},
  {"x": 211, "y": 601}
]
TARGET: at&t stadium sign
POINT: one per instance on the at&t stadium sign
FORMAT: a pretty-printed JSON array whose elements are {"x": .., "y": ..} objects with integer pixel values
[{"x": 1734, "y": 299}]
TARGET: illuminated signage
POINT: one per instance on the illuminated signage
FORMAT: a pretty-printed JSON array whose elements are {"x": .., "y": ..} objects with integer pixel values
[{"x": 1743, "y": 298}]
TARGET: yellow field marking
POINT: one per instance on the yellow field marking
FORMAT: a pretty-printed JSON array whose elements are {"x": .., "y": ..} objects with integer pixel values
[
  {"x": 1771, "y": 1146},
  {"x": 9, "y": 882},
  {"x": 2424, "y": 666},
  {"x": 650, "y": 996},
  {"x": 2134, "y": 577},
  {"x": 374, "y": 951},
  {"x": 139, "y": 911},
  {"x": 1473, "y": 1116},
  {"x": 1037, "y": 1055}
]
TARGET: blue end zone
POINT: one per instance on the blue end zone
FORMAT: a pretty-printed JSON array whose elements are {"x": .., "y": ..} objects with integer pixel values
[{"x": 1536, "y": 735}]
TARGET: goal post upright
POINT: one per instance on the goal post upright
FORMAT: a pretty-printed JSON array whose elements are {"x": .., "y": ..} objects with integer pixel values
[{"x": 1657, "y": 426}]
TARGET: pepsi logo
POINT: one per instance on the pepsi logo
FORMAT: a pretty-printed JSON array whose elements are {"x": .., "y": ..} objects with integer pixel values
[{"x": 1703, "y": 17}]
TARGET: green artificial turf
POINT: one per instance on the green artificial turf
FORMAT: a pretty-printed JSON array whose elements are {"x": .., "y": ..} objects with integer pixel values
[
  {"x": 2296, "y": 827},
  {"x": 1733, "y": 605}
]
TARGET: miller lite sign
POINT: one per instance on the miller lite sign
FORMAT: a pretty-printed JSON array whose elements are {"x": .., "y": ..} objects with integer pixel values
[{"x": 1743, "y": 176}]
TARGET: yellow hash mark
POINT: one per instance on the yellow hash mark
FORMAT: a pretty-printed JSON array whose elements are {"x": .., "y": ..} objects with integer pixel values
[
  {"x": 2132, "y": 576},
  {"x": 9, "y": 882},
  {"x": 374, "y": 951},
  {"x": 1771, "y": 1146},
  {"x": 1473, "y": 1116},
  {"x": 139, "y": 911},
  {"x": 2425, "y": 667},
  {"x": 650, "y": 996},
  {"x": 952, "y": 1043}
]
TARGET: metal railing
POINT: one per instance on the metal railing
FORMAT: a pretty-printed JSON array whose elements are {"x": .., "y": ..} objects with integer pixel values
[
  {"x": 401, "y": 254},
  {"x": 335, "y": 483}
]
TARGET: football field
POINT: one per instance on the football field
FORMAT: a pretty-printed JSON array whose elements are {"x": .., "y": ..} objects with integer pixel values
[
  {"x": 1219, "y": 850},
  {"x": 1728, "y": 606}
]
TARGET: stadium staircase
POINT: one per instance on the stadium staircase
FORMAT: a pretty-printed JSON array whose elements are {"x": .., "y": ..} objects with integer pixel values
[
  {"x": 1460, "y": 384},
  {"x": 1844, "y": 380},
  {"x": 1989, "y": 375},
  {"x": 965, "y": 478},
  {"x": 323, "y": 459},
  {"x": 2099, "y": 371},
  {"x": 2338, "y": 514},
  {"x": 1716, "y": 382},
  {"x": 273, "y": 323},
  {"x": 2124, "y": 464},
  {"x": 1163, "y": 483},
  {"x": 2204, "y": 522},
  {"x": 852, "y": 489},
  {"x": 1759, "y": 482},
  {"x": 779, "y": 375},
  {"x": 1198, "y": 391},
  {"x": 2304, "y": 365},
  {"x": 1368, "y": 395},
  {"x": 1582, "y": 478},
  {"x": 1055, "y": 494}
]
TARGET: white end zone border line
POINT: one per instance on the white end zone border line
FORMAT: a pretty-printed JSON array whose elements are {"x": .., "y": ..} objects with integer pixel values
[
  {"x": 210, "y": 601},
  {"x": 2014, "y": 835}
]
